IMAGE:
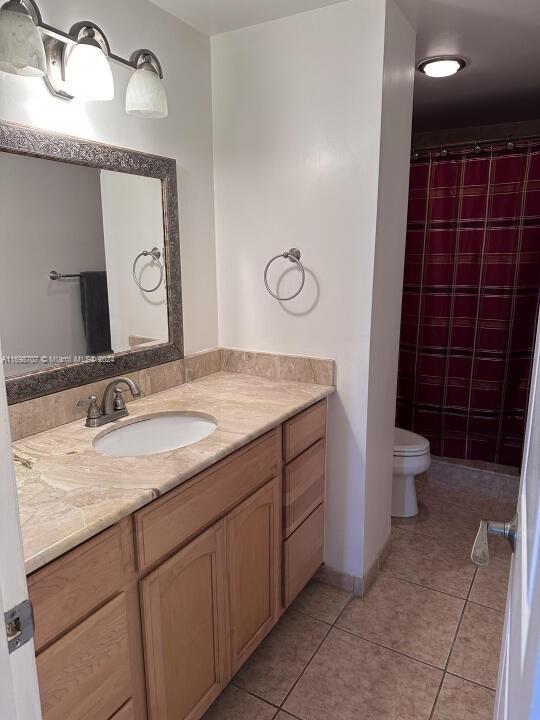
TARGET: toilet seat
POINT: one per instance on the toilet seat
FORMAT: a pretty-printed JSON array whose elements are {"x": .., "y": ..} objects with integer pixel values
[{"x": 409, "y": 444}]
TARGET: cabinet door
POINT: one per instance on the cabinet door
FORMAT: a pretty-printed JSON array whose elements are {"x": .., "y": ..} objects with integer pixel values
[
  {"x": 186, "y": 629},
  {"x": 253, "y": 539}
]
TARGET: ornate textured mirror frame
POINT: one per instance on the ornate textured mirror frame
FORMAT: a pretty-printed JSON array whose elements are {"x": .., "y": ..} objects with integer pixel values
[{"x": 23, "y": 140}]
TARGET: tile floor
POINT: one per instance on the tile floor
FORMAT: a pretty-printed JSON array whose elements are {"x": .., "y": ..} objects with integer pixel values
[{"x": 423, "y": 644}]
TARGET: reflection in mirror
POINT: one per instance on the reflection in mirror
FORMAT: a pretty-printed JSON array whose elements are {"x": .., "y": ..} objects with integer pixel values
[{"x": 89, "y": 226}]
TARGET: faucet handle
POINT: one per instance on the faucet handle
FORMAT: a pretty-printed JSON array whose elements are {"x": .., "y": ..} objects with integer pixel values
[
  {"x": 94, "y": 413},
  {"x": 119, "y": 402}
]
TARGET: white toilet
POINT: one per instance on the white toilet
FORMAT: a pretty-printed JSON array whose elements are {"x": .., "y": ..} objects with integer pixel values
[{"x": 411, "y": 457}]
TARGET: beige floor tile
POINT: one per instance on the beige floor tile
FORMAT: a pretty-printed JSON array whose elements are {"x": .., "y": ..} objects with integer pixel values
[
  {"x": 490, "y": 586},
  {"x": 479, "y": 505},
  {"x": 437, "y": 563},
  {"x": 284, "y": 716},
  {"x": 408, "y": 618},
  {"x": 462, "y": 700},
  {"x": 322, "y": 602},
  {"x": 235, "y": 704},
  {"x": 477, "y": 499},
  {"x": 508, "y": 489},
  {"x": 476, "y": 651},
  {"x": 471, "y": 486},
  {"x": 452, "y": 523},
  {"x": 350, "y": 679},
  {"x": 276, "y": 664},
  {"x": 481, "y": 465},
  {"x": 503, "y": 510},
  {"x": 499, "y": 547}
]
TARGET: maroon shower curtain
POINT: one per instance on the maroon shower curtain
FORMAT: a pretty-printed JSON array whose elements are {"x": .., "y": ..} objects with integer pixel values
[{"x": 470, "y": 301}]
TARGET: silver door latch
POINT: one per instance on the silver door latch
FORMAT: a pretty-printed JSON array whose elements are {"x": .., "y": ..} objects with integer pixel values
[
  {"x": 19, "y": 625},
  {"x": 508, "y": 530}
]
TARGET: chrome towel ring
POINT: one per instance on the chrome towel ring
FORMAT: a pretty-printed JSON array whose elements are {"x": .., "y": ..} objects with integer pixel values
[
  {"x": 156, "y": 254},
  {"x": 294, "y": 256}
]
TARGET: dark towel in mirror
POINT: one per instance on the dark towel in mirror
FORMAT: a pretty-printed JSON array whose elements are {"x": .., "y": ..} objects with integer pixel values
[{"x": 95, "y": 312}]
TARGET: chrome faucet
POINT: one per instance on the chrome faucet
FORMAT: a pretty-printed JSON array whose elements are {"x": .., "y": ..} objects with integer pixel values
[{"x": 113, "y": 406}]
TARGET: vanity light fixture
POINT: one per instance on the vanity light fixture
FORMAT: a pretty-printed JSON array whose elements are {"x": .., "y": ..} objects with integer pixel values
[
  {"x": 442, "y": 65},
  {"x": 88, "y": 72},
  {"x": 145, "y": 93},
  {"x": 21, "y": 44},
  {"x": 76, "y": 63}
]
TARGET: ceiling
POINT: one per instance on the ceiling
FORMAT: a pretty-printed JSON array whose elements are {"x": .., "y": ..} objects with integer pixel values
[
  {"x": 499, "y": 37},
  {"x": 212, "y": 17},
  {"x": 501, "y": 40}
]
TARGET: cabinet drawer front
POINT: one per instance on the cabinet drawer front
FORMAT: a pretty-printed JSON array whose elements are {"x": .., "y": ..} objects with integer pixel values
[
  {"x": 186, "y": 629},
  {"x": 70, "y": 588},
  {"x": 303, "y": 555},
  {"x": 177, "y": 517},
  {"x": 304, "y": 430},
  {"x": 87, "y": 674},
  {"x": 303, "y": 490},
  {"x": 126, "y": 713}
]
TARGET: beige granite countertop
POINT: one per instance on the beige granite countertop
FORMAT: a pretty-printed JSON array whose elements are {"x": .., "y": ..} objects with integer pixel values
[{"x": 68, "y": 492}]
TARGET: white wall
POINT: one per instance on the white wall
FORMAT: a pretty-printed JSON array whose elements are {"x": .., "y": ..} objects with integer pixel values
[
  {"x": 297, "y": 130},
  {"x": 133, "y": 222},
  {"x": 398, "y": 82},
  {"x": 186, "y": 135},
  {"x": 37, "y": 315},
  {"x": 297, "y": 137}
]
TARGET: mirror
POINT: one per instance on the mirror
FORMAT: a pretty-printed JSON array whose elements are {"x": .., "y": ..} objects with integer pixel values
[
  {"x": 89, "y": 254},
  {"x": 72, "y": 235}
]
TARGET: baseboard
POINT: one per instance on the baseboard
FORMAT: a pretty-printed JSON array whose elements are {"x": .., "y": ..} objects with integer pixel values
[
  {"x": 338, "y": 579},
  {"x": 351, "y": 584}
]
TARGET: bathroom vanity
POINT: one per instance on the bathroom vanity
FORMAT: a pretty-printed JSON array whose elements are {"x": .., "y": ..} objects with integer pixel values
[
  {"x": 152, "y": 617},
  {"x": 155, "y": 566}
]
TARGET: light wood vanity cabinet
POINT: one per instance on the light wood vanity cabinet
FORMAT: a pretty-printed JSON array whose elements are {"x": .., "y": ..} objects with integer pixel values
[
  {"x": 88, "y": 637},
  {"x": 87, "y": 674},
  {"x": 304, "y": 452},
  {"x": 153, "y": 617},
  {"x": 303, "y": 554},
  {"x": 186, "y": 629},
  {"x": 303, "y": 486},
  {"x": 253, "y": 564},
  {"x": 125, "y": 713},
  {"x": 303, "y": 431},
  {"x": 67, "y": 590},
  {"x": 178, "y": 516}
]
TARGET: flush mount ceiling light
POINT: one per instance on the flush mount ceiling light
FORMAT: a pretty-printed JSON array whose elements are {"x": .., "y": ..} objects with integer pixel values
[
  {"x": 442, "y": 66},
  {"x": 145, "y": 93},
  {"x": 21, "y": 44},
  {"x": 76, "y": 63}
]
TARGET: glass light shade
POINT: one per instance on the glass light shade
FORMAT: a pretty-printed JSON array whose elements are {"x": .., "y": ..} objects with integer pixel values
[
  {"x": 21, "y": 43},
  {"x": 442, "y": 68},
  {"x": 146, "y": 94},
  {"x": 88, "y": 72}
]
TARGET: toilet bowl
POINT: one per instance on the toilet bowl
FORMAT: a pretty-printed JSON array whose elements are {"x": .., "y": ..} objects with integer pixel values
[{"x": 411, "y": 458}]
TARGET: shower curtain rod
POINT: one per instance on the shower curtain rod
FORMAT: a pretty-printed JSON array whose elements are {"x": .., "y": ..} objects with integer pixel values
[{"x": 494, "y": 141}]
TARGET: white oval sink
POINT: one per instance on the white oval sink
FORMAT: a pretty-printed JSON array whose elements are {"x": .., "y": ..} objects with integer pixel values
[{"x": 155, "y": 434}]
